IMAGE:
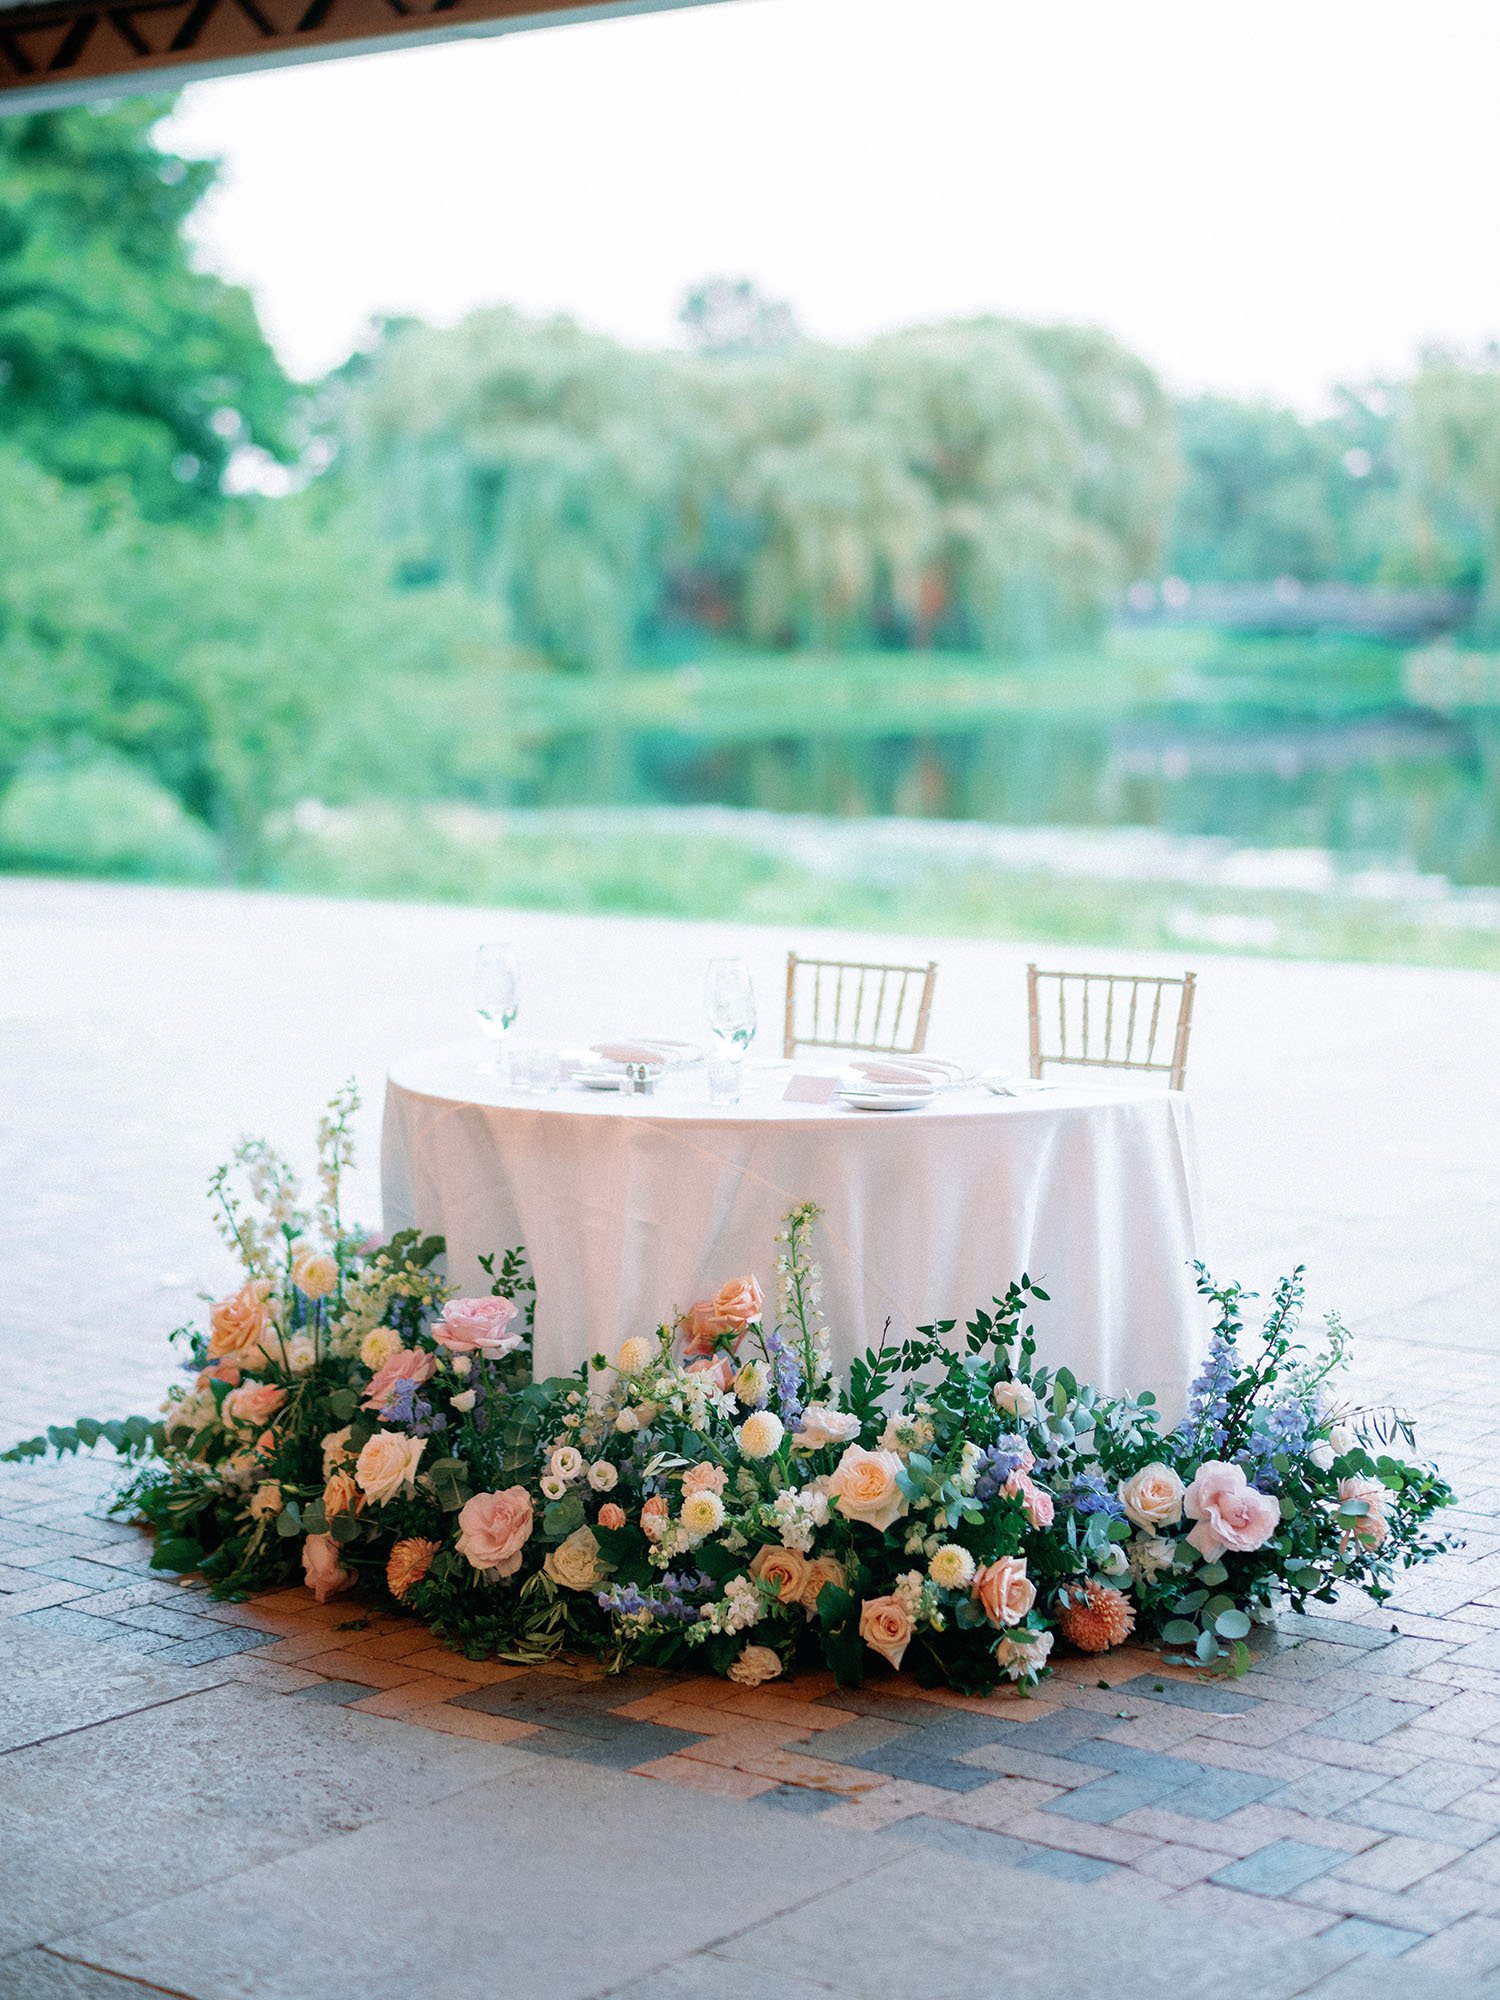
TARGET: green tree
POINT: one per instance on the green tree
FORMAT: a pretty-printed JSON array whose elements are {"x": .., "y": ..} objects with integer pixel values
[
  {"x": 118, "y": 360},
  {"x": 1450, "y": 435}
]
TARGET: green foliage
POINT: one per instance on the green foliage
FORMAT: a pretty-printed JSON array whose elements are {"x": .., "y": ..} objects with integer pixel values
[{"x": 121, "y": 364}]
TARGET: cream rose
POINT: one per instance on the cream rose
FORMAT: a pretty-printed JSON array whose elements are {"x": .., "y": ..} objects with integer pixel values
[
  {"x": 323, "y": 1573},
  {"x": 244, "y": 1323},
  {"x": 388, "y": 1465},
  {"x": 864, "y": 1483},
  {"x": 1371, "y": 1527},
  {"x": 478, "y": 1326},
  {"x": 783, "y": 1570},
  {"x": 886, "y": 1628},
  {"x": 265, "y": 1501},
  {"x": 314, "y": 1273},
  {"x": 1152, "y": 1498},
  {"x": 574, "y": 1563},
  {"x": 1003, "y": 1591},
  {"x": 754, "y": 1665},
  {"x": 1015, "y": 1399},
  {"x": 760, "y": 1434},
  {"x": 493, "y": 1528},
  {"x": 823, "y": 1425}
]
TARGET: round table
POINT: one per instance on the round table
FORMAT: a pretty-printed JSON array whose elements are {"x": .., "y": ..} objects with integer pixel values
[{"x": 632, "y": 1207}]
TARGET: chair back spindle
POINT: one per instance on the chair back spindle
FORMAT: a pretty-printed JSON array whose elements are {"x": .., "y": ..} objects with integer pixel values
[
  {"x": 1110, "y": 1020},
  {"x": 842, "y": 1004}
]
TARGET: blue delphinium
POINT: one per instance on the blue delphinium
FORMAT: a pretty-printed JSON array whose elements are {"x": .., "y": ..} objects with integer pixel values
[
  {"x": 788, "y": 1372},
  {"x": 1208, "y": 1399},
  {"x": 1281, "y": 1432},
  {"x": 1087, "y": 1493},
  {"x": 996, "y": 1463}
]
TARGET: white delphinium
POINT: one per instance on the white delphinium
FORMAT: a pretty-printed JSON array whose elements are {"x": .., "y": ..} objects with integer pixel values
[
  {"x": 906, "y": 1434},
  {"x": 967, "y": 1476},
  {"x": 1149, "y": 1555},
  {"x": 797, "y": 1514}
]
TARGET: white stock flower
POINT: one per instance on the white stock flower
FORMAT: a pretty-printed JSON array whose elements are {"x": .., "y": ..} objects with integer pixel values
[{"x": 1149, "y": 1555}]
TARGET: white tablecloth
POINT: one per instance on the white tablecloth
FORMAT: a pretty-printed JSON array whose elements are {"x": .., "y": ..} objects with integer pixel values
[{"x": 631, "y": 1207}]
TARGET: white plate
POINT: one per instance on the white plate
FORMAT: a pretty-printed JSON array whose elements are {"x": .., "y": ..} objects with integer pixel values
[{"x": 885, "y": 1100}]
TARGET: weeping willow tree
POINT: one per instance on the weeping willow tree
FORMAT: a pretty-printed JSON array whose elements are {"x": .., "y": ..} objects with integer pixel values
[{"x": 984, "y": 485}]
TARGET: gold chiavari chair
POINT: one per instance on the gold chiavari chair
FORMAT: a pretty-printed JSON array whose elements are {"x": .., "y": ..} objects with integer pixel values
[
  {"x": 1110, "y": 1020},
  {"x": 840, "y": 1004}
]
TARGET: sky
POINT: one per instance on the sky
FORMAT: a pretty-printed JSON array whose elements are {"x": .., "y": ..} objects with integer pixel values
[{"x": 1261, "y": 199}]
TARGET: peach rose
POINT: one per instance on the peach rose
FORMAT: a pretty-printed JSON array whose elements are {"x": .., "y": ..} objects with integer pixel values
[
  {"x": 323, "y": 1573},
  {"x": 886, "y": 1628},
  {"x": 864, "y": 1484},
  {"x": 784, "y": 1570},
  {"x": 254, "y": 1402},
  {"x": 341, "y": 1495},
  {"x": 1229, "y": 1513},
  {"x": 227, "y": 1370},
  {"x": 654, "y": 1517},
  {"x": 244, "y": 1323},
  {"x": 1003, "y": 1591},
  {"x": 407, "y": 1364},
  {"x": 718, "y": 1368},
  {"x": 493, "y": 1528},
  {"x": 704, "y": 1479},
  {"x": 700, "y": 1329},
  {"x": 314, "y": 1273},
  {"x": 408, "y": 1562},
  {"x": 387, "y": 1466},
  {"x": 478, "y": 1326},
  {"x": 1372, "y": 1527},
  {"x": 738, "y": 1304},
  {"x": 820, "y": 1570},
  {"x": 1152, "y": 1498},
  {"x": 611, "y": 1515}
]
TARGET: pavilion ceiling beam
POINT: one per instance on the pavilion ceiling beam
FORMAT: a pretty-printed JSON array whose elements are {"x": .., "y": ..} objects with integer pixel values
[{"x": 57, "y": 52}]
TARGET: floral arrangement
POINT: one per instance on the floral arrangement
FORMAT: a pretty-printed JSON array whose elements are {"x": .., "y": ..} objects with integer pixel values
[{"x": 712, "y": 1494}]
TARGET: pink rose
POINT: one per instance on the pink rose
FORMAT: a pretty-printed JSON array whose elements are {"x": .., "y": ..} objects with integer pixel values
[
  {"x": 700, "y": 1328},
  {"x": 611, "y": 1515},
  {"x": 738, "y": 1303},
  {"x": 323, "y": 1573},
  {"x": 1003, "y": 1591},
  {"x": 1038, "y": 1505},
  {"x": 254, "y": 1402},
  {"x": 1371, "y": 1528},
  {"x": 704, "y": 1479},
  {"x": 478, "y": 1326},
  {"x": 227, "y": 1370},
  {"x": 885, "y": 1626},
  {"x": 1229, "y": 1513},
  {"x": 493, "y": 1528},
  {"x": 407, "y": 1364}
]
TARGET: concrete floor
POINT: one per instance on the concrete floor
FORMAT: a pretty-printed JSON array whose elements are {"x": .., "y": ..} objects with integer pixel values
[{"x": 182, "y": 1825}]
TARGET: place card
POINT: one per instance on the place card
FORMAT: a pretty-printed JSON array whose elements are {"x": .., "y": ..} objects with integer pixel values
[{"x": 810, "y": 1090}]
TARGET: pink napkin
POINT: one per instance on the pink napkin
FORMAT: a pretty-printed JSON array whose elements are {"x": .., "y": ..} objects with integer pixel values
[{"x": 909, "y": 1075}]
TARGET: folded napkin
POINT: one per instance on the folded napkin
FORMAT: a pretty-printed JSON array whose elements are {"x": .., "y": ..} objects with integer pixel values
[{"x": 905, "y": 1076}]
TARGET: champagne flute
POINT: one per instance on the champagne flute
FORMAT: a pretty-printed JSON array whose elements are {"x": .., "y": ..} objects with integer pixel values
[
  {"x": 496, "y": 999},
  {"x": 731, "y": 1006}
]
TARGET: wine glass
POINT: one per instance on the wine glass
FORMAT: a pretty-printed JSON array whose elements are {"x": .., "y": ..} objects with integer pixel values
[
  {"x": 496, "y": 998},
  {"x": 731, "y": 1006}
]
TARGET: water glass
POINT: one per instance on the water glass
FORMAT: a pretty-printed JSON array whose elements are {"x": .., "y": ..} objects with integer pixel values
[
  {"x": 496, "y": 998},
  {"x": 724, "y": 1076},
  {"x": 731, "y": 1006}
]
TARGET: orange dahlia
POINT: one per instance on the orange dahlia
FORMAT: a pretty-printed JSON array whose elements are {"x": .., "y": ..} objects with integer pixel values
[
  {"x": 408, "y": 1563},
  {"x": 1094, "y": 1618}
]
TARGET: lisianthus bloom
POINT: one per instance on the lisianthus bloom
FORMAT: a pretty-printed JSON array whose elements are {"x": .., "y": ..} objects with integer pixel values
[
  {"x": 704, "y": 1479},
  {"x": 244, "y": 1324},
  {"x": 604, "y": 1475},
  {"x": 1094, "y": 1617},
  {"x": 866, "y": 1486},
  {"x": 493, "y": 1528},
  {"x": 314, "y": 1272},
  {"x": 823, "y": 1425},
  {"x": 1370, "y": 1528},
  {"x": 1003, "y": 1591},
  {"x": 1228, "y": 1512},
  {"x": 566, "y": 1462},
  {"x": 387, "y": 1465},
  {"x": 323, "y": 1573},
  {"x": 783, "y": 1570},
  {"x": 408, "y": 1562},
  {"x": 254, "y": 1402},
  {"x": 886, "y": 1628},
  {"x": 754, "y": 1665},
  {"x": 478, "y": 1326},
  {"x": 407, "y": 1364},
  {"x": 1152, "y": 1498}
]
